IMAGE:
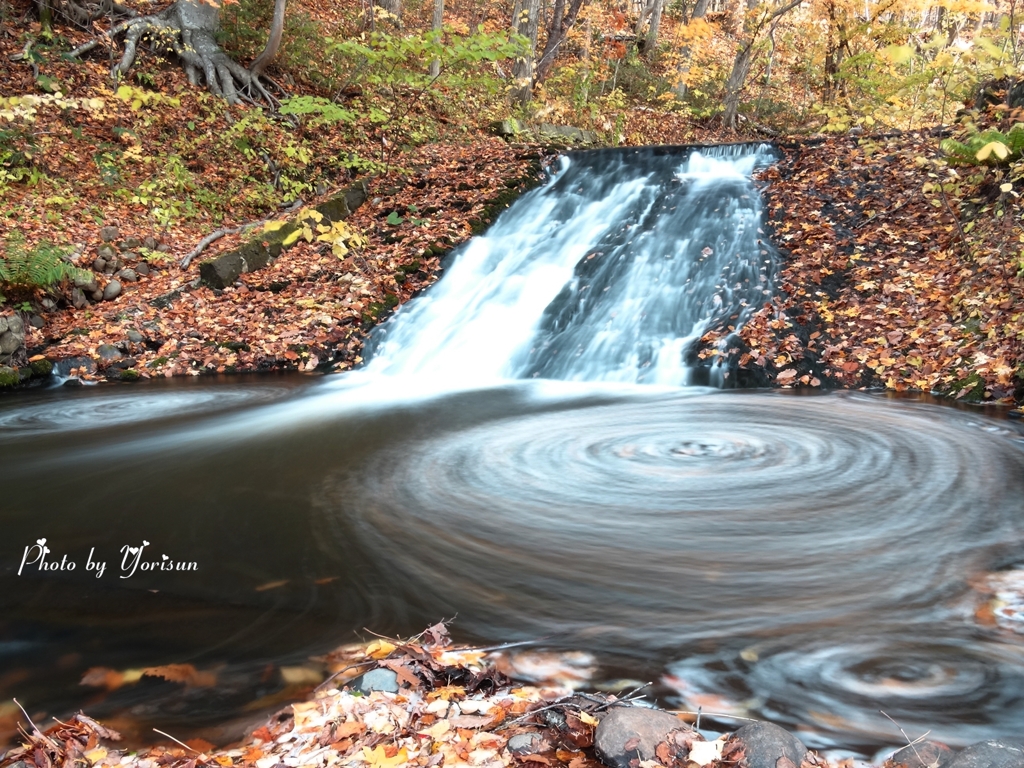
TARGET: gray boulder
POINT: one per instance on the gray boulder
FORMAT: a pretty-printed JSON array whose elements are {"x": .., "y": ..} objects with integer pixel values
[
  {"x": 16, "y": 325},
  {"x": 507, "y": 127},
  {"x": 128, "y": 275},
  {"x": 78, "y": 300},
  {"x": 109, "y": 234},
  {"x": 142, "y": 268},
  {"x": 376, "y": 680},
  {"x": 765, "y": 744},
  {"x": 86, "y": 282},
  {"x": 99, "y": 264},
  {"x": 112, "y": 290},
  {"x": 36, "y": 321},
  {"x": 10, "y": 342},
  {"x": 106, "y": 251},
  {"x": 527, "y": 744},
  {"x": 995, "y": 753},
  {"x": 134, "y": 336},
  {"x": 634, "y": 733},
  {"x": 3, "y": 324},
  {"x": 109, "y": 353}
]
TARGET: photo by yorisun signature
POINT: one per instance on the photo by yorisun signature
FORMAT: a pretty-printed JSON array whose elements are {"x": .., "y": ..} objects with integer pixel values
[{"x": 132, "y": 559}]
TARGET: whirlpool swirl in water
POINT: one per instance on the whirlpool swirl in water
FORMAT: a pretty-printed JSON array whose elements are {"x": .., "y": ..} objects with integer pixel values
[
  {"x": 667, "y": 522},
  {"x": 104, "y": 409}
]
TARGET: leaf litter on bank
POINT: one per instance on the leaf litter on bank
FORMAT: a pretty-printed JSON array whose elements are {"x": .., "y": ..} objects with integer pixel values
[
  {"x": 309, "y": 308},
  {"x": 874, "y": 288}
]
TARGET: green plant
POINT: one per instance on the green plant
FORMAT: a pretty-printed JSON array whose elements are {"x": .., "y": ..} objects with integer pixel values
[
  {"x": 989, "y": 147},
  {"x": 325, "y": 112},
  {"x": 156, "y": 257},
  {"x": 391, "y": 69},
  {"x": 43, "y": 266}
]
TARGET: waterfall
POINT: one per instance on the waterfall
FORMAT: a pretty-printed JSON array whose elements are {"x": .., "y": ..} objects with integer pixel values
[{"x": 611, "y": 271}]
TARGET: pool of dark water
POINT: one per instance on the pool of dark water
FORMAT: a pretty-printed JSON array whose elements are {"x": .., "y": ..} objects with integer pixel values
[{"x": 803, "y": 559}]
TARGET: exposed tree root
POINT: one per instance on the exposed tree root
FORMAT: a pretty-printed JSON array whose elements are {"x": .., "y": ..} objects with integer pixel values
[
  {"x": 186, "y": 29},
  {"x": 82, "y": 14}
]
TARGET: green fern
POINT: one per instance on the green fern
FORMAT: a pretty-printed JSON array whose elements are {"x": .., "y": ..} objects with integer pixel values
[
  {"x": 990, "y": 147},
  {"x": 43, "y": 266}
]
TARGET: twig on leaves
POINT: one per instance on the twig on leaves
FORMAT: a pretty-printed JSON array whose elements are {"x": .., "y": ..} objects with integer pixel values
[
  {"x": 601, "y": 704},
  {"x": 701, "y": 713},
  {"x": 178, "y": 741},
  {"x": 910, "y": 743},
  {"x": 342, "y": 671},
  {"x": 25, "y": 713}
]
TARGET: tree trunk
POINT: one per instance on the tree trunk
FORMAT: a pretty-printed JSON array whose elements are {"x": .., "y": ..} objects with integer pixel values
[
  {"x": 527, "y": 26},
  {"x": 752, "y": 28},
  {"x": 651, "y": 43},
  {"x": 645, "y": 11},
  {"x": 392, "y": 12},
  {"x": 561, "y": 23},
  {"x": 686, "y": 52},
  {"x": 733, "y": 86},
  {"x": 273, "y": 40},
  {"x": 436, "y": 23}
]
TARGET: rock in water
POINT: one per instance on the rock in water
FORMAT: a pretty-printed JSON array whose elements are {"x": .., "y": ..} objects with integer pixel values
[
  {"x": 764, "y": 745},
  {"x": 995, "y": 753},
  {"x": 626, "y": 733},
  {"x": 920, "y": 755}
]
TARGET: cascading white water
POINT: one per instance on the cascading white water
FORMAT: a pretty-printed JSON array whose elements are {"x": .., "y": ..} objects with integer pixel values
[{"x": 609, "y": 272}]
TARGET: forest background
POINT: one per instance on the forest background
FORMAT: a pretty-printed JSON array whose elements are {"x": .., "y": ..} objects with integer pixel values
[{"x": 139, "y": 138}]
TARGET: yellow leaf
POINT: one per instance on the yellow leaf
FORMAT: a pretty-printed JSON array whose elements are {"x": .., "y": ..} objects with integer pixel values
[
  {"x": 137, "y": 104},
  {"x": 1007, "y": 187},
  {"x": 95, "y": 755},
  {"x": 124, "y": 93},
  {"x": 997, "y": 148},
  {"x": 379, "y": 649},
  {"x": 377, "y": 757},
  {"x": 899, "y": 54},
  {"x": 292, "y": 238},
  {"x": 273, "y": 226},
  {"x": 587, "y": 719}
]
